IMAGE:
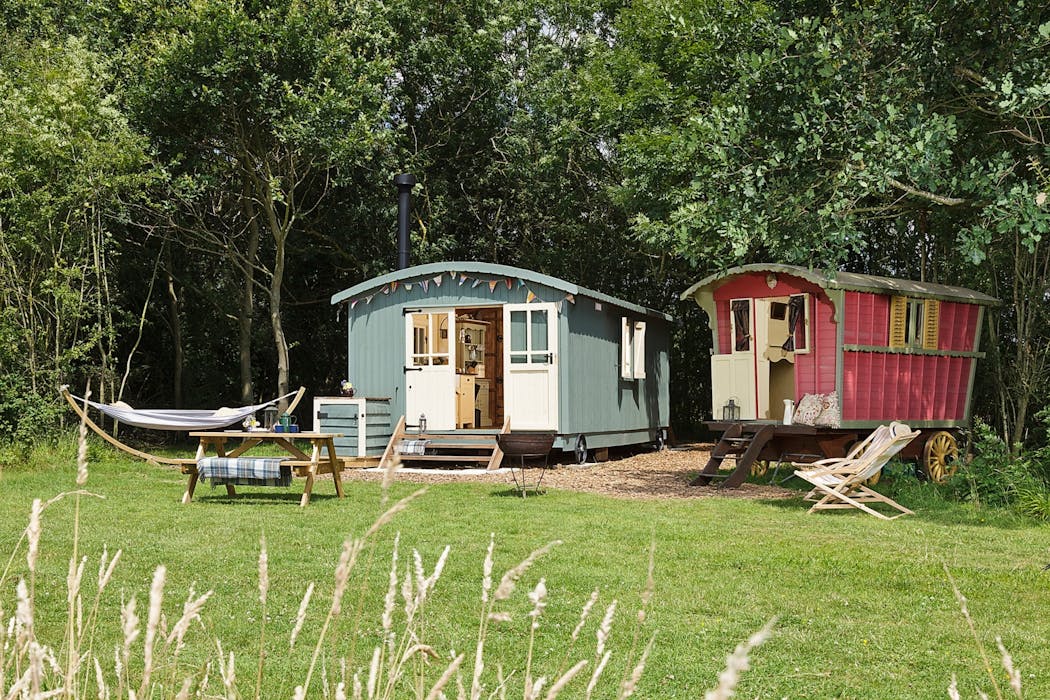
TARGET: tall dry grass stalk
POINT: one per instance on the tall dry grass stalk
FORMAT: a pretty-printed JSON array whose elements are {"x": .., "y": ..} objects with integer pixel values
[
  {"x": 147, "y": 661},
  {"x": 1012, "y": 675},
  {"x": 738, "y": 662}
]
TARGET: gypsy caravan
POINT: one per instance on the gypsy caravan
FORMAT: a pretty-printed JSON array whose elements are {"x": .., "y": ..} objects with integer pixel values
[
  {"x": 443, "y": 356},
  {"x": 806, "y": 362}
]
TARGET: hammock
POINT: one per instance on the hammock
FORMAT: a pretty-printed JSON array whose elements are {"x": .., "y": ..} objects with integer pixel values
[{"x": 166, "y": 419}]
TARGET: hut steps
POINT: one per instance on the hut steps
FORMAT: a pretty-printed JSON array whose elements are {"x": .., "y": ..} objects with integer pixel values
[{"x": 744, "y": 448}]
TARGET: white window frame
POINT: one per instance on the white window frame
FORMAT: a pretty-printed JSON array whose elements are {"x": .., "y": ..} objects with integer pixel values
[
  {"x": 806, "y": 309},
  {"x": 632, "y": 349}
]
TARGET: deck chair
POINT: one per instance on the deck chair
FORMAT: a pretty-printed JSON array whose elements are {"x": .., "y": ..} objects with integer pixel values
[{"x": 840, "y": 482}]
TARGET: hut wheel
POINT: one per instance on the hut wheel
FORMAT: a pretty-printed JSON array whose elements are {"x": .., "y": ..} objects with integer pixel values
[
  {"x": 581, "y": 450},
  {"x": 940, "y": 456}
]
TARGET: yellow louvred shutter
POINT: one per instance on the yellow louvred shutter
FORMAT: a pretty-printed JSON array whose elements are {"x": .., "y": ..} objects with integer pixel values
[
  {"x": 931, "y": 323},
  {"x": 898, "y": 321}
]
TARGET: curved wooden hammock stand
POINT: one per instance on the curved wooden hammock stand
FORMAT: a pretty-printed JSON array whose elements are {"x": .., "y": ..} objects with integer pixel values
[{"x": 177, "y": 461}]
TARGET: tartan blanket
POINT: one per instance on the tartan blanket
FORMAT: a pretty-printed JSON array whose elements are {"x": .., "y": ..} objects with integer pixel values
[
  {"x": 412, "y": 447},
  {"x": 248, "y": 471}
]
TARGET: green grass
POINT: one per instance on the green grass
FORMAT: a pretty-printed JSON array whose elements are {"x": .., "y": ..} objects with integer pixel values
[{"x": 864, "y": 608}]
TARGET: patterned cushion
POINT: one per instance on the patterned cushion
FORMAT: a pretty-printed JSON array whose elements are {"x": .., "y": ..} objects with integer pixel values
[
  {"x": 830, "y": 415},
  {"x": 808, "y": 409}
]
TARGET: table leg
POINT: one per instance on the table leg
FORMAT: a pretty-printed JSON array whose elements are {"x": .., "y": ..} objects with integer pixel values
[
  {"x": 309, "y": 486},
  {"x": 194, "y": 475},
  {"x": 333, "y": 460}
]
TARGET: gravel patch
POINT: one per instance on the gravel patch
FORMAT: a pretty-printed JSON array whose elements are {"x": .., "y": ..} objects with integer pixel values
[{"x": 641, "y": 475}]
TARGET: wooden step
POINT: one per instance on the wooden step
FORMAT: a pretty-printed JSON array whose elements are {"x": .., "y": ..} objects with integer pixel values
[{"x": 452, "y": 446}]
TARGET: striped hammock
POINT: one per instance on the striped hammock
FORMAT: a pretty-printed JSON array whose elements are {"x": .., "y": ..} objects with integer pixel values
[{"x": 177, "y": 419}]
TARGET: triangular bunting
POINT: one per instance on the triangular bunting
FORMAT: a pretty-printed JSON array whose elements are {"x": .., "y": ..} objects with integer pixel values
[
  {"x": 437, "y": 280},
  {"x": 426, "y": 286},
  {"x": 530, "y": 297},
  {"x": 462, "y": 279},
  {"x": 393, "y": 286},
  {"x": 354, "y": 303},
  {"x": 510, "y": 283},
  {"x": 492, "y": 286},
  {"x": 570, "y": 298},
  {"x": 558, "y": 305},
  {"x": 521, "y": 283},
  {"x": 408, "y": 287},
  {"x": 476, "y": 283},
  {"x": 386, "y": 289},
  {"x": 368, "y": 299}
]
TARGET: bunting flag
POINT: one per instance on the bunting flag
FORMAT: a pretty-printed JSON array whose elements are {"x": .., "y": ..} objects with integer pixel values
[
  {"x": 558, "y": 305},
  {"x": 462, "y": 279},
  {"x": 510, "y": 283},
  {"x": 426, "y": 286},
  {"x": 521, "y": 283},
  {"x": 368, "y": 299},
  {"x": 386, "y": 289},
  {"x": 492, "y": 286},
  {"x": 393, "y": 286},
  {"x": 408, "y": 287},
  {"x": 476, "y": 283},
  {"x": 570, "y": 298},
  {"x": 530, "y": 297},
  {"x": 354, "y": 303},
  {"x": 437, "y": 280}
]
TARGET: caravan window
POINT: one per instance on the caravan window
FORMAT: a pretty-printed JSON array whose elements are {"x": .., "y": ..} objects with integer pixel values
[
  {"x": 914, "y": 323},
  {"x": 429, "y": 339},
  {"x": 740, "y": 318}
]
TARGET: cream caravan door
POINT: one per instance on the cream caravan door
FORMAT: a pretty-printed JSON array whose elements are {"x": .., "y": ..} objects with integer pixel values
[
  {"x": 530, "y": 367},
  {"x": 733, "y": 374},
  {"x": 430, "y": 368}
]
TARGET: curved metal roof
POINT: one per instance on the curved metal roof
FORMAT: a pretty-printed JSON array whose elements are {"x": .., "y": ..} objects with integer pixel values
[
  {"x": 481, "y": 268},
  {"x": 852, "y": 281}
]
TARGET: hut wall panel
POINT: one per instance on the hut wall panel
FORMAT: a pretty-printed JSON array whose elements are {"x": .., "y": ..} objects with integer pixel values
[
  {"x": 958, "y": 326},
  {"x": 889, "y": 386},
  {"x": 867, "y": 319},
  {"x": 593, "y": 398}
]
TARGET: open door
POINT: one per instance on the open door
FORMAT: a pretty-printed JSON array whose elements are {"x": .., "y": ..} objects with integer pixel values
[
  {"x": 530, "y": 372},
  {"x": 430, "y": 368}
]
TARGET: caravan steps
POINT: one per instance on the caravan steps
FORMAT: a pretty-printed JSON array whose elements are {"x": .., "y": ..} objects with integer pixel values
[
  {"x": 444, "y": 447},
  {"x": 743, "y": 448}
]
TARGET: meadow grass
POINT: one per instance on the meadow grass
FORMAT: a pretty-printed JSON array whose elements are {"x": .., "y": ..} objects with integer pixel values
[{"x": 864, "y": 608}]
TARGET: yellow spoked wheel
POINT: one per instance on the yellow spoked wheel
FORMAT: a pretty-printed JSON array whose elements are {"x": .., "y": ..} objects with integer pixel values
[
  {"x": 940, "y": 456},
  {"x": 759, "y": 467}
]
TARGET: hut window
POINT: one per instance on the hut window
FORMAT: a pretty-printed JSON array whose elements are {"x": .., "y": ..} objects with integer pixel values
[
  {"x": 632, "y": 349},
  {"x": 741, "y": 320},
  {"x": 429, "y": 346},
  {"x": 798, "y": 324},
  {"x": 529, "y": 338},
  {"x": 914, "y": 323}
]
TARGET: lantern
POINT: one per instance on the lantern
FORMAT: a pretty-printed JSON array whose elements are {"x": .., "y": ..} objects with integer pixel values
[{"x": 730, "y": 411}]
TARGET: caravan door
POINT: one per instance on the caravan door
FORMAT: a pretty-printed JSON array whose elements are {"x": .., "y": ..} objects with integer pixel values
[
  {"x": 430, "y": 368},
  {"x": 530, "y": 367},
  {"x": 733, "y": 374}
]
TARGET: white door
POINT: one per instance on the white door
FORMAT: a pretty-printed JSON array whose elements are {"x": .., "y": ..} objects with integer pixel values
[
  {"x": 733, "y": 374},
  {"x": 530, "y": 366},
  {"x": 430, "y": 368}
]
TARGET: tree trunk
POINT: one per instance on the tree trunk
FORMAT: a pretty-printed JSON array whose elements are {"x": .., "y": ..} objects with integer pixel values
[
  {"x": 178, "y": 359},
  {"x": 245, "y": 316}
]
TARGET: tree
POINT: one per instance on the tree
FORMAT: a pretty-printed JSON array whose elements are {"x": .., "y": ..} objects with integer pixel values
[
  {"x": 69, "y": 167},
  {"x": 261, "y": 108}
]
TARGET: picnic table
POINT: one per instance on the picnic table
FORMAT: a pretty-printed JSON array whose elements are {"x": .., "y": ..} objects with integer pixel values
[{"x": 321, "y": 460}]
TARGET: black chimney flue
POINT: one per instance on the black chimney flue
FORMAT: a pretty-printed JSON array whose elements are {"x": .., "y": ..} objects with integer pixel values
[{"x": 404, "y": 182}]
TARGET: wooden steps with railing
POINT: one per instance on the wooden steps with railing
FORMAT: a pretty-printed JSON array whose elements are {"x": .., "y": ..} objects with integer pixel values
[
  {"x": 447, "y": 447},
  {"x": 742, "y": 446}
]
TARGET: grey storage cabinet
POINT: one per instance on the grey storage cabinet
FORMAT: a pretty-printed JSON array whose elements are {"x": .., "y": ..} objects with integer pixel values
[{"x": 364, "y": 423}]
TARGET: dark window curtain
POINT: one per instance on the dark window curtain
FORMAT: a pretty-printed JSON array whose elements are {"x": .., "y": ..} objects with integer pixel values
[
  {"x": 742, "y": 320},
  {"x": 796, "y": 307}
]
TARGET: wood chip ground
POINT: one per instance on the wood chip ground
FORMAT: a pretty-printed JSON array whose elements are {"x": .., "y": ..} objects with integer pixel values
[{"x": 642, "y": 474}]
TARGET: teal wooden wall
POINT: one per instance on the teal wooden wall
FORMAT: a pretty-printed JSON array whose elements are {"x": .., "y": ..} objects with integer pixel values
[{"x": 592, "y": 397}]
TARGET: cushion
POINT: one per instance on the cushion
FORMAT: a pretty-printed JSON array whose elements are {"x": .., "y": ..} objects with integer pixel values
[
  {"x": 808, "y": 409},
  {"x": 830, "y": 415}
]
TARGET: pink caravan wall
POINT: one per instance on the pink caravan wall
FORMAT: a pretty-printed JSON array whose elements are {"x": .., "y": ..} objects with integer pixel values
[
  {"x": 881, "y": 386},
  {"x": 815, "y": 370}
]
